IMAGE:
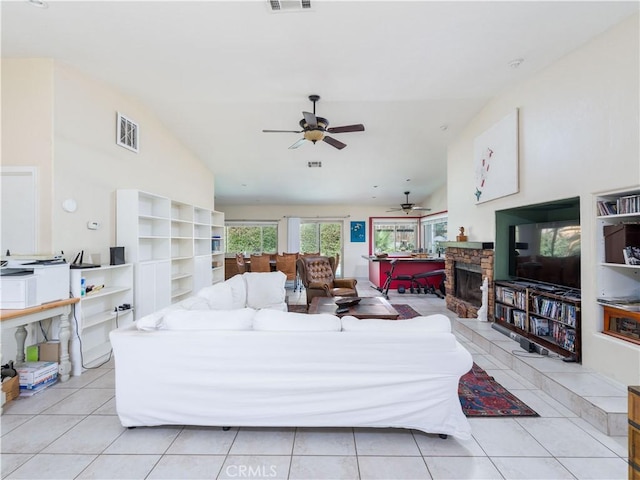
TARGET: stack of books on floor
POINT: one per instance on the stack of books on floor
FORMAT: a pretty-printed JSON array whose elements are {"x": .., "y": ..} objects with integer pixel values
[{"x": 36, "y": 376}]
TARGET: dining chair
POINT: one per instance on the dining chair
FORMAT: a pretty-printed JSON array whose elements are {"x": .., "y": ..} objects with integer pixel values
[
  {"x": 242, "y": 267},
  {"x": 286, "y": 263},
  {"x": 260, "y": 263}
]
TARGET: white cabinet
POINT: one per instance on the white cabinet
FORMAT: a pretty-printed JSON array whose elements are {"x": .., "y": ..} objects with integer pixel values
[
  {"x": 104, "y": 294},
  {"x": 153, "y": 285},
  {"x": 616, "y": 280},
  {"x": 170, "y": 243}
]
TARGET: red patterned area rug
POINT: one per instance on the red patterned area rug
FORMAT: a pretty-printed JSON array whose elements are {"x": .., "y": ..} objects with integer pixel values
[{"x": 481, "y": 396}]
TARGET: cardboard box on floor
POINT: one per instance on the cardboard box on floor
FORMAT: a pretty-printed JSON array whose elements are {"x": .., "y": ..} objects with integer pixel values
[{"x": 44, "y": 352}]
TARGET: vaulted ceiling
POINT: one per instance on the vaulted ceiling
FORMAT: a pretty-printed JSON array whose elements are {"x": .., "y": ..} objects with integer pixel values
[{"x": 219, "y": 72}]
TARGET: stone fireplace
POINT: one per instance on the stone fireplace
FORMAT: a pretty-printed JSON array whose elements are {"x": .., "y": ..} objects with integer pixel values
[{"x": 466, "y": 265}]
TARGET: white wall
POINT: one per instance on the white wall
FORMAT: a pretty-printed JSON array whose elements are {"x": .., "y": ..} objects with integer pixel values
[
  {"x": 89, "y": 166},
  {"x": 27, "y": 131},
  {"x": 65, "y": 124},
  {"x": 579, "y": 134}
]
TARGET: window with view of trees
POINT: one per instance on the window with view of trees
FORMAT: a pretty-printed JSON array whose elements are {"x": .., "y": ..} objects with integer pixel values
[
  {"x": 251, "y": 237},
  {"x": 403, "y": 236},
  {"x": 324, "y": 237},
  {"x": 395, "y": 236}
]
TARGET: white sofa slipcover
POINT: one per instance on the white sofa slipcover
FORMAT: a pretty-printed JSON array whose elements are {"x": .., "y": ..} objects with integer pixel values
[
  {"x": 256, "y": 290},
  {"x": 292, "y": 370}
]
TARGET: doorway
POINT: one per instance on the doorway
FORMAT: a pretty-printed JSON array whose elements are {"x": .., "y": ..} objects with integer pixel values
[{"x": 324, "y": 236}]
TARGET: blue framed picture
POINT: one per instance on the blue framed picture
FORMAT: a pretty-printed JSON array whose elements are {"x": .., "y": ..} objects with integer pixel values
[{"x": 357, "y": 232}]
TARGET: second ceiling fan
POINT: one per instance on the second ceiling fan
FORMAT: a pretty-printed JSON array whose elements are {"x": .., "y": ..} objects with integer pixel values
[
  {"x": 408, "y": 207},
  {"x": 316, "y": 128}
]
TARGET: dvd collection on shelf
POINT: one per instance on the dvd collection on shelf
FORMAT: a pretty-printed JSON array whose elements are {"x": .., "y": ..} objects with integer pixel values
[
  {"x": 552, "y": 318},
  {"x": 619, "y": 206}
]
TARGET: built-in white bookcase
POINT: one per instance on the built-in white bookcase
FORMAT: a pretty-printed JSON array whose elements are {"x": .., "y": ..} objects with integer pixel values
[
  {"x": 98, "y": 312},
  {"x": 217, "y": 246},
  {"x": 170, "y": 244},
  {"x": 615, "y": 280}
]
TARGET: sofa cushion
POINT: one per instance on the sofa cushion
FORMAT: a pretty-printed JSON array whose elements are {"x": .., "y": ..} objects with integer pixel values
[
  {"x": 239, "y": 319},
  {"x": 265, "y": 289},
  {"x": 153, "y": 321},
  {"x": 238, "y": 291},
  {"x": 219, "y": 296},
  {"x": 429, "y": 323},
  {"x": 274, "y": 320},
  {"x": 193, "y": 303}
]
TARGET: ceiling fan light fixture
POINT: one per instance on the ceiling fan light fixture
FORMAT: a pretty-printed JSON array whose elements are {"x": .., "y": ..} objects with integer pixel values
[{"x": 314, "y": 135}]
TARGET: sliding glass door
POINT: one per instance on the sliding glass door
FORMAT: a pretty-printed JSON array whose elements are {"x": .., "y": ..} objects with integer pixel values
[{"x": 322, "y": 236}]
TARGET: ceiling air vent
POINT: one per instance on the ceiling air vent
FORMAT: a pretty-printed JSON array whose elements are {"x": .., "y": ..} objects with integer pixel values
[
  {"x": 314, "y": 164},
  {"x": 289, "y": 5}
]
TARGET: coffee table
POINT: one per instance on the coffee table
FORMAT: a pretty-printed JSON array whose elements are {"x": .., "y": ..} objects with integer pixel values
[{"x": 369, "y": 307}]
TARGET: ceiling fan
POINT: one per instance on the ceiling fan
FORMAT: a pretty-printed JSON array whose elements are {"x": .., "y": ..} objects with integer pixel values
[
  {"x": 408, "y": 207},
  {"x": 315, "y": 128}
]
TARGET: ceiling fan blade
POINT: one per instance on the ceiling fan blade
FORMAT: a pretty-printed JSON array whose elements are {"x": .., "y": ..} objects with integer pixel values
[
  {"x": 421, "y": 208},
  {"x": 310, "y": 118},
  {"x": 282, "y": 131},
  {"x": 347, "y": 128},
  {"x": 298, "y": 143},
  {"x": 334, "y": 143}
]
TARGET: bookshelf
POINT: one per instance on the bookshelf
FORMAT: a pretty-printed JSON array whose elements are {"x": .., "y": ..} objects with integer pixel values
[
  {"x": 97, "y": 312},
  {"x": 618, "y": 283},
  {"x": 548, "y": 316},
  {"x": 170, "y": 244}
]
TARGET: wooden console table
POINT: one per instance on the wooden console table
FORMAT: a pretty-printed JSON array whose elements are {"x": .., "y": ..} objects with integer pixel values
[{"x": 20, "y": 318}]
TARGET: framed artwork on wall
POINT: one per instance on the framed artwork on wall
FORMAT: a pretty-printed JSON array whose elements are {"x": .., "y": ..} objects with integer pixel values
[
  {"x": 357, "y": 231},
  {"x": 495, "y": 156}
]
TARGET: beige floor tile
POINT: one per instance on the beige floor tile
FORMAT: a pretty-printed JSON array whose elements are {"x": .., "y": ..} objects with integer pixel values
[{"x": 324, "y": 468}]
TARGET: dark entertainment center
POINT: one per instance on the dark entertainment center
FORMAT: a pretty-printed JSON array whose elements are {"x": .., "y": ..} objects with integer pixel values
[{"x": 537, "y": 271}]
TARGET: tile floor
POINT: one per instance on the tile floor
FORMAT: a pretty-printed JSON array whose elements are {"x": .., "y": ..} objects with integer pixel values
[{"x": 81, "y": 437}]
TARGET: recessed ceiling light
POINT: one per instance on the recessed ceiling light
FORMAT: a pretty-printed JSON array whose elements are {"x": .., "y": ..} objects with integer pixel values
[
  {"x": 38, "y": 3},
  {"x": 515, "y": 63}
]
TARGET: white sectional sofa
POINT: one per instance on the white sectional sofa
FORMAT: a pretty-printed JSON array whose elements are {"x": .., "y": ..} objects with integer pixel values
[{"x": 267, "y": 367}]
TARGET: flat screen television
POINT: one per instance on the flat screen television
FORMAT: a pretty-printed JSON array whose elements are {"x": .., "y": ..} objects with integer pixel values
[{"x": 547, "y": 252}]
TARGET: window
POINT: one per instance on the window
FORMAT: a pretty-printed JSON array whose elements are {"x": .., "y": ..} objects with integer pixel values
[
  {"x": 394, "y": 236},
  {"x": 251, "y": 237},
  {"x": 434, "y": 231},
  {"x": 402, "y": 236}
]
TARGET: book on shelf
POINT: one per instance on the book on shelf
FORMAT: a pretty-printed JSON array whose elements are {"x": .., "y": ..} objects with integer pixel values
[
  {"x": 628, "y": 204},
  {"x": 607, "y": 208},
  {"x": 631, "y": 255},
  {"x": 519, "y": 319},
  {"x": 540, "y": 326}
]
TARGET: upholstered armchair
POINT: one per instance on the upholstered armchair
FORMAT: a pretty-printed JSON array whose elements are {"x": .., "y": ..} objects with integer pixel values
[{"x": 316, "y": 274}]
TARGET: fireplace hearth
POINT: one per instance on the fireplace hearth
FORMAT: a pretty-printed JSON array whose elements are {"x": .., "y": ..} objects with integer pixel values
[{"x": 466, "y": 266}]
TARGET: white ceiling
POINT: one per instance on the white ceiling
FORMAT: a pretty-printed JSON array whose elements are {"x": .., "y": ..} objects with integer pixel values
[{"x": 217, "y": 73}]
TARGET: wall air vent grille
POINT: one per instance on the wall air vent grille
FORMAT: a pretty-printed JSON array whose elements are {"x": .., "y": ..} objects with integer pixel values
[
  {"x": 289, "y": 5},
  {"x": 314, "y": 164},
  {"x": 127, "y": 133}
]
